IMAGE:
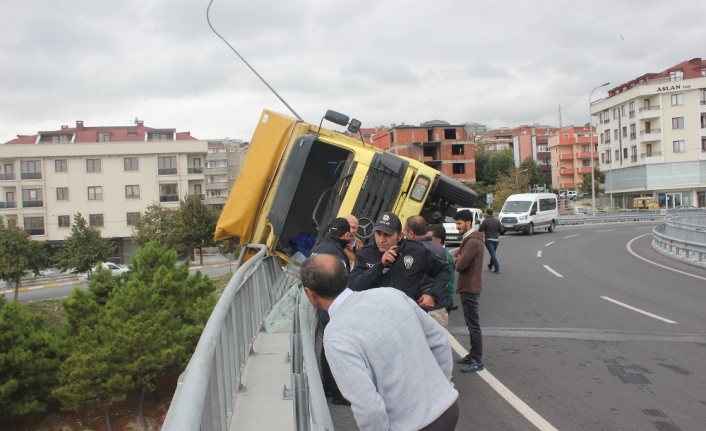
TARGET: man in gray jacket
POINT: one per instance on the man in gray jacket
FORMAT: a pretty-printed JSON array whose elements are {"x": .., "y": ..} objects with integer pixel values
[
  {"x": 492, "y": 228},
  {"x": 390, "y": 359}
]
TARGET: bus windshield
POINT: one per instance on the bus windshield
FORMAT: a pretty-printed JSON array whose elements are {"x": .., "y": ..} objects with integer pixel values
[{"x": 516, "y": 206}]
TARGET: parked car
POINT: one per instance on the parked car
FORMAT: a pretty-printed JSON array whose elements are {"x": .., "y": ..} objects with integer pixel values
[
  {"x": 453, "y": 238},
  {"x": 115, "y": 269}
]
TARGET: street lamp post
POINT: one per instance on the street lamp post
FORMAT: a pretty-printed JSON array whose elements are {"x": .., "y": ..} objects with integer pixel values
[
  {"x": 593, "y": 168},
  {"x": 516, "y": 174}
]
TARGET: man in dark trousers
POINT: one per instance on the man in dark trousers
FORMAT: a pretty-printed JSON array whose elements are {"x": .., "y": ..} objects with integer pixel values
[
  {"x": 393, "y": 261},
  {"x": 469, "y": 285},
  {"x": 334, "y": 243},
  {"x": 438, "y": 234},
  {"x": 492, "y": 228}
]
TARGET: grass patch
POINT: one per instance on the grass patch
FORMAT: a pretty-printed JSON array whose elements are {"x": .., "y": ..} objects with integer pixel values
[
  {"x": 221, "y": 284},
  {"x": 53, "y": 312}
]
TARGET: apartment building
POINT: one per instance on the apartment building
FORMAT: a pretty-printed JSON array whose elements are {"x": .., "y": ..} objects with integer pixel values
[
  {"x": 108, "y": 174},
  {"x": 223, "y": 162},
  {"x": 445, "y": 147},
  {"x": 570, "y": 149},
  {"x": 532, "y": 141},
  {"x": 653, "y": 137}
]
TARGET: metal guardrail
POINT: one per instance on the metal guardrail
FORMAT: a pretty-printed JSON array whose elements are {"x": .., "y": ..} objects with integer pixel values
[
  {"x": 678, "y": 245},
  {"x": 311, "y": 410},
  {"x": 608, "y": 217},
  {"x": 207, "y": 389}
]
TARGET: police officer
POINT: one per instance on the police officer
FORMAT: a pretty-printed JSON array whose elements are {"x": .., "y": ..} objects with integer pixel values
[{"x": 393, "y": 261}]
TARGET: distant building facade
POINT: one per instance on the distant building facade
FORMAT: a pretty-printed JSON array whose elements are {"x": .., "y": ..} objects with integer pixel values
[
  {"x": 223, "y": 162},
  {"x": 445, "y": 147},
  {"x": 653, "y": 137},
  {"x": 570, "y": 149},
  {"x": 108, "y": 174}
]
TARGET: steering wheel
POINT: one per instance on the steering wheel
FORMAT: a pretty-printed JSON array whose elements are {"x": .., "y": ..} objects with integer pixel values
[{"x": 365, "y": 227}]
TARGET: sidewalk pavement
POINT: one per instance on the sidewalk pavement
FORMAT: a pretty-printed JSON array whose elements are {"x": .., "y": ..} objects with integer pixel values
[{"x": 52, "y": 277}]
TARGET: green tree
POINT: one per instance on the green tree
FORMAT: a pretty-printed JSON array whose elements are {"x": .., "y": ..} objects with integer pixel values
[
  {"x": 156, "y": 224},
  {"x": 194, "y": 225},
  {"x": 536, "y": 176},
  {"x": 512, "y": 183},
  {"x": 599, "y": 177},
  {"x": 19, "y": 254},
  {"x": 28, "y": 362},
  {"x": 85, "y": 247},
  {"x": 500, "y": 163}
]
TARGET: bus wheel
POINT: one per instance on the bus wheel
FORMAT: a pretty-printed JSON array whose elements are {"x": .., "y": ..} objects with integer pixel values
[{"x": 530, "y": 229}]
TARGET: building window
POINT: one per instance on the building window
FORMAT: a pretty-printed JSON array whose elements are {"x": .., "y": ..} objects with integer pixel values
[
  {"x": 633, "y": 155},
  {"x": 625, "y": 131},
  {"x": 166, "y": 165},
  {"x": 93, "y": 165},
  {"x": 168, "y": 193},
  {"x": 132, "y": 133},
  {"x": 132, "y": 218},
  {"x": 615, "y": 134},
  {"x": 633, "y": 133},
  {"x": 31, "y": 170},
  {"x": 566, "y": 136},
  {"x": 104, "y": 137},
  {"x": 703, "y": 145},
  {"x": 622, "y": 110},
  {"x": 617, "y": 155},
  {"x": 584, "y": 147},
  {"x": 677, "y": 99},
  {"x": 132, "y": 192},
  {"x": 131, "y": 163},
  {"x": 157, "y": 136},
  {"x": 679, "y": 146},
  {"x": 232, "y": 163},
  {"x": 449, "y": 133},
  {"x": 214, "y": 193},
  {"x": 676, "y": 75},
  {"x": 32, "y": 198},
  {"x": 616, "y": 113},
  {"x": 457, "y": 150},
  {"x": 600, "y": 118},
  {"x": 678, "y": 123},
  {"x": 703, "y": 71},
  {"x": 648, "y": 150},
  {"x": 232, "y": 177},
  {"x": 392, "y": 137},
  {"x": 632, "y": 109},
  {"x": 95, "y": 220},
  {"x": 34, "y": 225},
  {"x": 586, "y": 163},
  {"x": 625, "y": 153},
  {"x": 232, "y": 150},
  {"x": 64, "y": 221},
  {"x": 60, "y": 165},
  {"x": 62, "y": 193},
  {"x": 459, "y": 168},
  {"x": 602, "y": 158},
  {"x": 95, "y": 193}
]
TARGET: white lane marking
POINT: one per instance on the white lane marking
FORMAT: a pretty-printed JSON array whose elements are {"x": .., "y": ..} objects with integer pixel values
[
  {"x": 549, "y": 243},
  {"x": 553, "y": 272},
  {"x": 630, "y": 307},
  {"x": 629, "y": 247},
  {"x": 571, "y": 236},
  {"x": 504, "y": 392},
  {"x": 648, "y": 227},
  {"x": 611, "y": 230},
  {"x": 539, "y": 253}
]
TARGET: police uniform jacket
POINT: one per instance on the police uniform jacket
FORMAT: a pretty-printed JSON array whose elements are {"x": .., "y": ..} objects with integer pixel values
[
  {"x": 334, "y": 245},
  {"x": 413, "y": 260}
]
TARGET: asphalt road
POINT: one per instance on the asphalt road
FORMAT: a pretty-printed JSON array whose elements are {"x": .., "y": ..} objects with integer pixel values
[
  {"x": 575, "y": 357},
  {"x": 64, "y": 291}
]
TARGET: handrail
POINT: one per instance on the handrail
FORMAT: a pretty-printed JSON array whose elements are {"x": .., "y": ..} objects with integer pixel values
[
  {"x": 315, "y": 397},
  {"x": 671, "y": 243},
  {"x": 207, "y": 389}
]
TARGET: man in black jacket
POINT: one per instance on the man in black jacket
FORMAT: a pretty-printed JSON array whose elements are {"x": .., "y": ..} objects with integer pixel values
[
  {"x": 393, "y": 261},
  {"x": 334, "y": 243},
  {"x": 492, "y": 228}
]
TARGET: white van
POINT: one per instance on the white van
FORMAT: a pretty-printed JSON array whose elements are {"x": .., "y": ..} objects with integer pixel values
[
  {"x": 529, "y": 211},
  {"x": 453, "y": 238}
]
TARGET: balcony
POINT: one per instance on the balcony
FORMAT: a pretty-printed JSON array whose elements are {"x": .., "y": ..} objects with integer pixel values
[
  {"x": 702, "y": 106},
  {"x": 35, "y": 231},
  {"x": 651, "y": 112},
  {"x": 567, "y": 171},
  {"x": 607, "y": 141},
  {"x": 169, "y": 198},
  {"x": 198, "y": 170},
  {"x": 566, "y": 157},
  {"x": 167, "y": 171},
  {"x": 650, "y": 135},
  {"x": 586, "y": 155},
  {"x": 31, "y": 175},
  {"x": 32, "y": 204},
  {"x": 6, "y": 205},
  {"x": 633, "y": 158},
  {"x": 653, "y": 157},
  {"x": 7, "y": 177},
  {"x": 583, "y": 170}
]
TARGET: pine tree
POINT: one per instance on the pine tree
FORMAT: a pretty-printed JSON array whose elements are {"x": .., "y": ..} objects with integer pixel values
[
  {"x": 19, "y": 255},
  {"x": 194, "y": 225},
  {"x": 85, "y": 247},
  {"x": 28, "y": 362}
]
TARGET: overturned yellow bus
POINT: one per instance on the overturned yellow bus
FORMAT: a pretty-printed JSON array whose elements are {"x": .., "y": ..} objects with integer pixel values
[{"x": 297, "y": 177}]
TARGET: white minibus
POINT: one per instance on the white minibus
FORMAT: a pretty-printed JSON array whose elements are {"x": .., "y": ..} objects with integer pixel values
[{"x": 529, "y": 211}]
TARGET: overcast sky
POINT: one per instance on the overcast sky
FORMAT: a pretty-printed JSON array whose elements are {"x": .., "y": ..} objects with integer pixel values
[{"x": 499, "y": 63}]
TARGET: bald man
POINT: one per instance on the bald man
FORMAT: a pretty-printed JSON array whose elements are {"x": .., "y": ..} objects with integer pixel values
[{"x": 355, "y": 243}]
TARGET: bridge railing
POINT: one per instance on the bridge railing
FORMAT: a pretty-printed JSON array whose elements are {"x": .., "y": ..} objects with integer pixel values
[
  {"x": 207, "y": 389},
  {"x": 611, "y": 217},
  {"x": 683, "y": 233},
  {"x": 311, "y": 410}
]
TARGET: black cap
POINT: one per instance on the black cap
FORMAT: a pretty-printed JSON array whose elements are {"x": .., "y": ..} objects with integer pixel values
[
  {"x": 388, "y": 223},
  {"x": 339, "y": 226}
]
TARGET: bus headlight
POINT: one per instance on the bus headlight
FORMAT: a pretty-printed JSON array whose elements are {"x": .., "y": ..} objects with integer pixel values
[{"x": 420, "y": 188}]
